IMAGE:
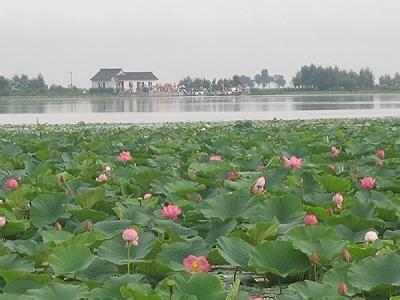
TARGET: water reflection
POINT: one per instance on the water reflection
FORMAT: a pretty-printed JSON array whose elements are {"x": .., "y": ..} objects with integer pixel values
[{"x": 199, "y": 104}]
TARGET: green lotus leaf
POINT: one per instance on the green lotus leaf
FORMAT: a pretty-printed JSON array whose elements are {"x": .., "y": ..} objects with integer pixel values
[
  {"x": 379, "y": 274},
  {"x": 55, "y": 237},
  {"x": 263, "y": 231},
  {"x": 112, "y": 228},
  {"x": 70, "y": 259},
  {"x": 237, "y": 205},
  {"x": 15, "y": 227},
  {"x": 46, "y": 210},
  {"x": 114, "y": 250},
  {"x": 202, "y": 286},
  {"x": 235, "y": 251},
  {"x": 340, "y": 274},
  {"x": 218, "y": 230},
  {"x": 21, "y": 285},
  {"x": 353, "y": 222},
  {"x": 88, "y": 197},
  {"x": 313, "y": 290},
  {"x": 99, "y": 270},
  {"x": 16, "y": 263},
  {"x": 334, "y": 184},
  {"x": 286, "y": 209},
  {"x": 88, "y": 214},
  {"x": 60, "y": 291},
  {"x": 279, "y": 258},
  {"x": 321, "y": 239},
  {"x": 111, "y": 287}
]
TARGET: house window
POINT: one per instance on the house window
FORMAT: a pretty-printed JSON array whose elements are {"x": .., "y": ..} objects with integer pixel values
[{"x": 150, "y": 84}]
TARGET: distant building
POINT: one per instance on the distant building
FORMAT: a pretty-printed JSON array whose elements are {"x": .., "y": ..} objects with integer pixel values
[{"x": 119, "y": 80}]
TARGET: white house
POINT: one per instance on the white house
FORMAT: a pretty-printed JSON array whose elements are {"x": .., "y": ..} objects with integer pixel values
[{"x": 119, "y": 80}]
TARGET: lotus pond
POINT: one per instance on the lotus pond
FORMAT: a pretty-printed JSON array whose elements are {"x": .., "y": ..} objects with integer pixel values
[{"x": 279, "y": 209}]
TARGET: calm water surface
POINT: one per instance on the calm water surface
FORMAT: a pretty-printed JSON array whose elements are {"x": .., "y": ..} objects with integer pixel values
[{"x": 169, "y": 109}]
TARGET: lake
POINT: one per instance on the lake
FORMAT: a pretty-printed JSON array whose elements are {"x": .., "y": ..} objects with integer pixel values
[{"x": 169, "y": 109}]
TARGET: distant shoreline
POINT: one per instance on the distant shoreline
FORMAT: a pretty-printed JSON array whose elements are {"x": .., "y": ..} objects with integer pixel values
[{"x": 265, "y": 92}]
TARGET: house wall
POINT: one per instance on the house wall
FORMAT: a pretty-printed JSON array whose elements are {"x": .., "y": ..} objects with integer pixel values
[
  {"x": 134, "y": 84},
  {"x": 109, "y": 84}
]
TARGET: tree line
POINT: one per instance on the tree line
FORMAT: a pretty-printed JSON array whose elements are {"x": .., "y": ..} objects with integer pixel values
[
  {"x": 310, "y": 78},
  {"x": 262, "y": 79},
  {"x": 23, "y": 85}
]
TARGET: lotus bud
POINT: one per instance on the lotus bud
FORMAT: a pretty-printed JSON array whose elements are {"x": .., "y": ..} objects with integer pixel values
[
  {"x": 3, "y": 221},
  {"x": 58, "y": 226},
  {"x": 314, "y": 258},
  {"x": 329, "y": 211},
  {"x": 342, "y": 290},
  {"x": 346, "y": 255},
  {"x": 198, "y": 197},
  {"x": 370, "y": 236},
  {"x": 310, "y": 220},
  {"x": 88, "y": 225}
]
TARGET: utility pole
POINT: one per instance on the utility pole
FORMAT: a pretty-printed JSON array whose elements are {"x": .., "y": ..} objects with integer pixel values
[{"x": 71, "y": 80}]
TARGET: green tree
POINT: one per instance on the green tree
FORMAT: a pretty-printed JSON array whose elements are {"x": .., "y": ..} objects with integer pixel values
[
  {"x": 279, "y": 80},
  {"x": 263, "y": 78},
  {"x": 4, "y": 86}
]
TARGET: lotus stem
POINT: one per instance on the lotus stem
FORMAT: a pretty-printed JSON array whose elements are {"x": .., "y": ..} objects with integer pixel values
[
  {"x": 315, "y": 272},
  {"x": 234, "y": 274},
  {"x": 129, "y": 261},
  {"x": 280, "y": 286}
]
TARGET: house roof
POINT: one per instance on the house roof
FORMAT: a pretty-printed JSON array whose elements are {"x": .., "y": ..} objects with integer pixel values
[
  {"x": 105, "y": 74},
  {"x": 137, "y": 76}
]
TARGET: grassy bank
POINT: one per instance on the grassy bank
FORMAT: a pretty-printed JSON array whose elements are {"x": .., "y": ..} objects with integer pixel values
[{"x": 208, "y": 203}]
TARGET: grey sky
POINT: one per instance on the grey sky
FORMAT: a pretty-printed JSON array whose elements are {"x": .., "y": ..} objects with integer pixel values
[{"x": 210, "y": 38}]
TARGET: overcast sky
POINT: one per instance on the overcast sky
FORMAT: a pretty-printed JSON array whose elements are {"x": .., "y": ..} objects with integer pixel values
[{"x": 210, "y": 38}]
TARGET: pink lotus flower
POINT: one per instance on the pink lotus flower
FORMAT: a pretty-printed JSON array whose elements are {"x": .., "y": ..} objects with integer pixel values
[
  {"x": 335, "y": 151},
  {"x": 232, "y": 175},
  {"x": 257, "y": 298},
  {"x": 286, "y": 161},
  {"x": 370, "y": 236},
  {"x": 3, "y": 221},
  {"x": 171, "y": 212},
  {"x": 131, "y": 236},
  {"x": 195, "y": 264},
  {"x": 293, "y": 162},
  {"x": 105, "y": 168},
  {"x": 259, "y": 187},
  {"x": 367, "y": 183},
  {"x": 310, "y": 220},
  {"x": 380, "y": 154},
  {"x": 261, "y": 167},
  {"x": 124, "y": 157},
  {"x": 12, "y": 184},
  {"x": 147, "y": 196},
  {"x": 215, "y": 158},
  {"x": 102, "y": 178},
  {"x": 379, "y": 163},
  {"x": 338, "y": 198}
]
